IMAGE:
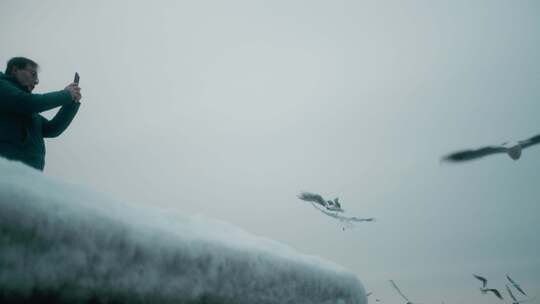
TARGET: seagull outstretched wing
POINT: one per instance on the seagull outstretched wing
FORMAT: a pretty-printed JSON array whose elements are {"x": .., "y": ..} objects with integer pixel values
[
  {"x": 313, "y": 197},
  {"x": 496, "y": 293},
  {"x": 346, "y": 218},
  {"x": 516, "y": 285},
  {"x": 466, "y": 155},
  {"x": 529, "y": 142},
  {"x": 510, "y": 293}
]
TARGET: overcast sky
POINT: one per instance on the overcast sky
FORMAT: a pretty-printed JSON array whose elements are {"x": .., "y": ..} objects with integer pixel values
[{"x": 229, "y": 109}]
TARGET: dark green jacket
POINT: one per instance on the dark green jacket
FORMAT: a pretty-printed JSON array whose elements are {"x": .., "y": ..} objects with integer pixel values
[{"x": 22, "y": 128}]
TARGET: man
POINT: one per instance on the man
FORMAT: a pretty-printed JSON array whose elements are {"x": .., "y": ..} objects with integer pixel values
[{"x": 22, "y": 128}]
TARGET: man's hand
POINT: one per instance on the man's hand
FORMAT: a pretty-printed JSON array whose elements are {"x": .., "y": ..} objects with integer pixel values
[{"x": 75, "y": 92}]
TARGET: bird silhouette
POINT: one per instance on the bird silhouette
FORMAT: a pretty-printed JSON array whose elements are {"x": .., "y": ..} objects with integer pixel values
[
  {"x": 484, "y": 280},
  {"x": 370, "y": 293},
  {"x": 515, "y": 285},
  {"x": 512, "y": 149},
  {"x": 332, "y": 209},
  {"x": 400, "y": 293},
  {"x": 514, "y": 300},
  {"x": 494, "y": 291},
  {"x": 316, "y": 198},
  {"x": 485, "y": 290}
]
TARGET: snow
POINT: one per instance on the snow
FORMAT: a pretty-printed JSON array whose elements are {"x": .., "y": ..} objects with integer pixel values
[{"x": 67, "y": 243}]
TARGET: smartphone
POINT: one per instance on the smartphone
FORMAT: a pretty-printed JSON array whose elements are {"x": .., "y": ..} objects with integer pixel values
[{"x": 76, "y": 79}]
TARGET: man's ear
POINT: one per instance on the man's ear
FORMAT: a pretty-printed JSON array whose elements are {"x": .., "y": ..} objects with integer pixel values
[{"x": 13, "y": 70}]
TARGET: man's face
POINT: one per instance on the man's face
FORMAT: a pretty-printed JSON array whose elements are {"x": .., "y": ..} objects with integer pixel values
[{"x": 26, "y": 77}]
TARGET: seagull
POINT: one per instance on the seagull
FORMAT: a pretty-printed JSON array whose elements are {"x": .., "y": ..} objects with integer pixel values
[
  {"x": 484, "y": 280},
  {"x": 400, "y": 293},
  {"x": 316, "y": 198},
  {"x": 332, "y": 209},
  {"x": 378, "y": 300},
  {"x": 514, "y": 301},
  {"x": 513, "y": 149},
  {"x": 515, "y": 285},
  {"x": 484, "y": 290},
  {"x": 495, "y": 292}
]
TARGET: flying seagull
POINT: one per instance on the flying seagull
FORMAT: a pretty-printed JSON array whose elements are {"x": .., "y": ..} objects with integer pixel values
[
  {"x": 316, "y": 198},
  {"x": 484, "y": 280},
  {"x": 400, "y": 293},
  {"x": 512, "y": 149},
  {"x": 378, "y": 300},
  {"x": 331, "y": 208},
  {"x": 516, "y": 285},
  {"x": 514, "y": 300},
  {"x": 484, "y": 290},
  {"x": 495, "y": 292}
]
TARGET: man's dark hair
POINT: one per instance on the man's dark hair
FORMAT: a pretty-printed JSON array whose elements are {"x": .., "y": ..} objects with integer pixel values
[{"x": 19, "y": 62}]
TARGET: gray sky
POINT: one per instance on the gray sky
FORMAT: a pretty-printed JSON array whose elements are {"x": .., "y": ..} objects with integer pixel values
[{"x": 230, "y": 108}]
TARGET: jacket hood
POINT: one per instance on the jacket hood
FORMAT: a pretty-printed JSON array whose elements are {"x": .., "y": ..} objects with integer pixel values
[
  {"x": 4, "y": 76},
  {"x": 9, "y": 78}
]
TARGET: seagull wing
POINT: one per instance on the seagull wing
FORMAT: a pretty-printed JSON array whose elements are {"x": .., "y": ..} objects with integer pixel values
[
  {"x": 484, "y": 280},
  {"x": 345, "y": 218},
  {"x": 529, "y": 142},
  {"x": 357, "y": 219},
  {"x": 368, "y": 294},
  {"x": 312, "y": 197},
  {"x": 466, "y": 155},
  {"x": 511, "y": 294},
  {"x": 516, "y": 285},
  {"x": 399, "y": 291},
  {"x": 496, "y": 292}
]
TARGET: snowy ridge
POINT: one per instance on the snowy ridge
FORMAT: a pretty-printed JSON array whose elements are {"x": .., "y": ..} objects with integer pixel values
[{"x": 68, "y": 244}]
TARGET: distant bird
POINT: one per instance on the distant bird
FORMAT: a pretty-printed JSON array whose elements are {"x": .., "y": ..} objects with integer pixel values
[
  {"x": 316, "y": 198},
  {"x": 484, "y": 290},
  {"x": 370, "y": 293},
  {"x": 331, "y": 208},
  {"x": 512, "y": 149},
  {"x": 515, "y": 285},
  {"x": 400, "y": 293},
  {"x": 514, "y": 300},
  {"x": 484, "y": 280},
  {"x": 494, "y": 291}
]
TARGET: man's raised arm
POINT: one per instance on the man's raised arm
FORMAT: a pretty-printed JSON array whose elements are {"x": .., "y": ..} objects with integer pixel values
[
  {"x": 15, "y": 100},
  {"x": 60, "y": 122}
]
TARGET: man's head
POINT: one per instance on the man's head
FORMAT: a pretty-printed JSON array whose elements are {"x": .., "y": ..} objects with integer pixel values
[{"x": 25, "y": 72}]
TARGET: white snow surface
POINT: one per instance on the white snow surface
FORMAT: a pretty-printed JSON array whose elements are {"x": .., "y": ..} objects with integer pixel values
[{"x": 80, "y": 245}]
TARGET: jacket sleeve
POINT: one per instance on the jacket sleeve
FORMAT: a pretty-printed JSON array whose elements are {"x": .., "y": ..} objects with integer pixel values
[
  {"x": 15, "y": 100},
  {"x": 60, "y": 121}
]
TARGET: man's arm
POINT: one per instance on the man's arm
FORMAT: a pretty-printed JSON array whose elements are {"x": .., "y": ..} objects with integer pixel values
[
  {"x": 15, "y": 100},
  {"x": 60, "y": 121}
]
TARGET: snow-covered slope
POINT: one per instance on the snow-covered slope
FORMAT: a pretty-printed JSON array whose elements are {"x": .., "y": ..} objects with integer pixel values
[{"x": 67, "y": 244}]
